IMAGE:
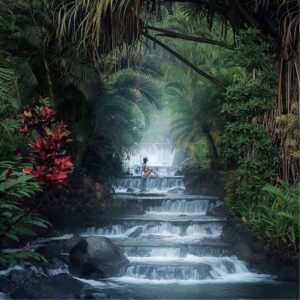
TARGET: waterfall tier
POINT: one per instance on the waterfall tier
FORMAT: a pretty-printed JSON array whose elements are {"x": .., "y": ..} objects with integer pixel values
[
  {"x": 150, "y": 184},
  {"x": 173, "y": 245}
]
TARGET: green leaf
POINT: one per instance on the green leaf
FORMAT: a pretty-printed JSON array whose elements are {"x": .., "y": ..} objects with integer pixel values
[{"x": 11, "y": 236}]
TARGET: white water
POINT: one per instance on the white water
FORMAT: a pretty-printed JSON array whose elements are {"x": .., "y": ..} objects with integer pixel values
[
  {"x": 151, "y": 184},
  {"x": 219, "y": 270},
  {"x": 239, "y": 278},
  {"x": 7, "y": 271},
  {"x": 192, "y": 207},
  {"x": 189, "y": 258},
  {"x": 158, "y": 155},
  {"x": 175, "y": 252},
  {"x": 55, "y": 238},
  {"x": 162, "y": 229},
  {"x": 173, "y": 243},
  {"x": 186, "y": 263},
  {"x": 57, "y": 271}
]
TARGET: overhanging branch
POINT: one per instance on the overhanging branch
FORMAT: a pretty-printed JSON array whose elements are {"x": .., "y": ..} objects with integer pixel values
[
  {"x": 185, "y": 61},
  {"x": 172, "y": 34}
]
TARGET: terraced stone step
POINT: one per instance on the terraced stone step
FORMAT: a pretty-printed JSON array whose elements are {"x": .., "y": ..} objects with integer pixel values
[
  {"x": 159, "y": 196},
  {"x": 137, "y": 183},
  {"x": 188, "y": 260},
  {"x": 214, "y": 269},
  {"x": 180, "y": 251},
  {"x": 167, "y": 230},
  {"x": 167, "y": 205},
  {"x": 171, "y": 218},
  {"x": 160, "y": 242}
]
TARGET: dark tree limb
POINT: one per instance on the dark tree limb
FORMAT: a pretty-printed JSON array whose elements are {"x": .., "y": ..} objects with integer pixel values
[
  {"x": 185, "y": 61},
  {"x": 50, "y": 83},
  {"x": 211, "y": 144},
  {"x": 172, "y": 34}
]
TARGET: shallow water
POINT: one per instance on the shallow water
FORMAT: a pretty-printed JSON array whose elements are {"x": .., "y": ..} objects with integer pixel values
[{"x": 175, "y": 252}]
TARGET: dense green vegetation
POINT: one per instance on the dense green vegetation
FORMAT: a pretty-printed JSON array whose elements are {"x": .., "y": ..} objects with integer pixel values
[
  {"x": 225, "y": 75},
  {"x": 249, "y": 145},
  {"x": 226, "y": 128},
  {"x": 105, "y": 105}
]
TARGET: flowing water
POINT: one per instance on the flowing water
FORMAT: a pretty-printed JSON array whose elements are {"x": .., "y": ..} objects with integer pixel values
[
  {"x": 151, "y": 185},
  {"x": 174, "y": 247},
  {"x": 175, "y": 250},
  {"x": 161, "y": 154},
  {"x": 161, "y": 158}
]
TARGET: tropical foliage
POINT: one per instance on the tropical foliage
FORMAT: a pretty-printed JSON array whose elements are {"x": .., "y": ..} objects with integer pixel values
[
  {"x": 192, "y": 101},
  {"x": 232, "y": 95},
  {"x": 102, "y": 95},
  {"x": 51, "y": 166},
  {"x": 17, "y": 222},
  {"x": 275, "y": 216},
  {"x": 233, "y": 120},
  {"x": 271, "y": 211}
]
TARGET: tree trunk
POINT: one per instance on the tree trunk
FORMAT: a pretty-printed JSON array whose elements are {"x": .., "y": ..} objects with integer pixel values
[
  {"x": 212, "y": 146},
  {"x": 185, "y": 61},
  {"x": 50, "y": 84},
  {"x": 199, "y": 39}
]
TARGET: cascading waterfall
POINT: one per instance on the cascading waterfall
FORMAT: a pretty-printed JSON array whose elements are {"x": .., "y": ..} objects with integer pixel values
[
  {"x": 163, "y": 184},
  {"x": 197, "y": 207},
  {"x": 196, "y": 268},
  {"x": 127, "y": 229},
  {"x": 173, "y": 242},
  {"x": 185, "y": 241},
  {"x": 173, "y": 247},
  {"x": 158, "y": 154},
  {"x": 161, "y": 157},
  {"x": 176, "y": 252}
]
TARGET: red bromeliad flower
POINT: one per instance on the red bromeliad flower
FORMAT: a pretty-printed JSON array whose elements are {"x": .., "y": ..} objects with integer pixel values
[
  {"x": 51, "y": 166},
  {"x": 58, "y": 178},
  {"x": 63, "y": 163},
  {"x": 36, "y": 118},
  {"x": 47, "y": 113}
]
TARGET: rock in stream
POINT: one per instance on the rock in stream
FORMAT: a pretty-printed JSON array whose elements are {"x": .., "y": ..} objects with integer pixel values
[{"x": 96, "y": 257}]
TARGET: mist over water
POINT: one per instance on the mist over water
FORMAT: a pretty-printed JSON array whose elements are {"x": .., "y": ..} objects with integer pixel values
[{"x": 159, "y": 154}]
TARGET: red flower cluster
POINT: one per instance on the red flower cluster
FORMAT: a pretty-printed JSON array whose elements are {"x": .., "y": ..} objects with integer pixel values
[
  {"x": 36, "y": 118},
  {"x": 51, "y": 166}
]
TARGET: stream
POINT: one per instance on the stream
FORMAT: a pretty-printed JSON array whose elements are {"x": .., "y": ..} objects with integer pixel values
[
  {"x": 175, "y": 249},
  {"x": 173, "y": 244}
]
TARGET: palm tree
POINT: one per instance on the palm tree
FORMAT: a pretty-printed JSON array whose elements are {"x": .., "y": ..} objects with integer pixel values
[
  {"x": 195, "y": 103},
  {"x": 115, "y": 115},
  {"x": 194, "y": 115},
  {"x": 104, "y": 101}
]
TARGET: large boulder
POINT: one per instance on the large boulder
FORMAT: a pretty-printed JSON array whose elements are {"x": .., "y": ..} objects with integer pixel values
[
  {"x": 6, "y": 287},
  {"x": 96, "y": 257},
  {"x": 218, "y": 210}
]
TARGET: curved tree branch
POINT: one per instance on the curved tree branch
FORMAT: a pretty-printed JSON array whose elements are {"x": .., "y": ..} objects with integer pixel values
[
  {"x": 185, "y": 61},
  {"x": 172, "y": 34}
]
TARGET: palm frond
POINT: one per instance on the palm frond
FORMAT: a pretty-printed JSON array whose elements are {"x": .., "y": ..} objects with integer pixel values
[{"x": 136, "y": 87}]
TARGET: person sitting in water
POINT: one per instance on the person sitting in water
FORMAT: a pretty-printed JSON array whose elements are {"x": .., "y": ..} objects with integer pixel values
[{"x": 146, "y": 172}]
